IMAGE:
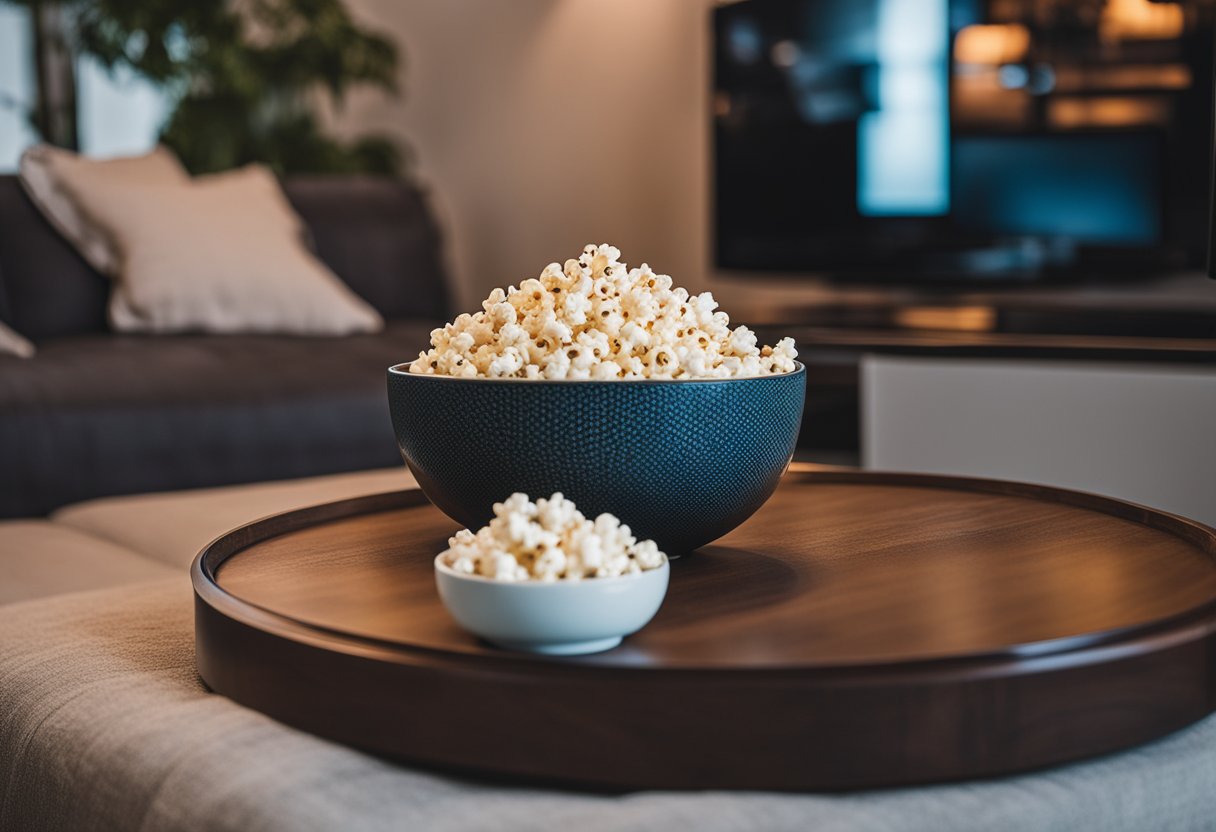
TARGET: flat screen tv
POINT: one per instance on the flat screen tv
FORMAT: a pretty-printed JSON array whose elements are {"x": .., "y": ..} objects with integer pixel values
[{"x": 962, "y": 139}]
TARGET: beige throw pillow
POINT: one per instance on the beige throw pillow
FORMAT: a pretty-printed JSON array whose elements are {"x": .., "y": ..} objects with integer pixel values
[
  {"x": 220, "y": 253},
  {"x": 45, "y": 173},
  {"x": 13, "y": 344}
]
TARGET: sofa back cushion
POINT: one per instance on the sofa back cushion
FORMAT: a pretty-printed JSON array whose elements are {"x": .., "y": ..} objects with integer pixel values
[
  {"x": 47, "y": 173},
  {"x": 49, "y": 290},
  {"x": 378, "y": 235},
  {"x": 220, "y": 253}
]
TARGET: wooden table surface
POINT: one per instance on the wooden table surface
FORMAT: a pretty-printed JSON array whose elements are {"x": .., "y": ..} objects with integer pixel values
[{"x": 993, "y": 626}]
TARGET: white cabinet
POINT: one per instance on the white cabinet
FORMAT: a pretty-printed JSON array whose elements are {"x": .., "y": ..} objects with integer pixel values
[{"x": 1141, "y": 432}]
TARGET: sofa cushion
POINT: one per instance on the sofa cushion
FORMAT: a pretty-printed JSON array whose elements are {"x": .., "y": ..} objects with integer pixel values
[
  {"x": 172, "y": 527},
  {"x": 12, "y": 343},
  {"x": 96, "y": 416},
  {"x": 46, "y": 171},
  {"x": 377, "y": 234},
  {"x": 380, "y": 237},
  {"x": 49, "y": 289},
  {"x": 39, "y": 558},
  {"x": 222, "y": 253},
  {"x": 105, "y": 725}
]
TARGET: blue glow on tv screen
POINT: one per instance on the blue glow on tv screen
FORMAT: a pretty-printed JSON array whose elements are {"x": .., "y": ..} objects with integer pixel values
[
  {"x": 913, "y": 137},
  {"x": 1090, "y": 188},
  {"x": 903, "y": 140}
]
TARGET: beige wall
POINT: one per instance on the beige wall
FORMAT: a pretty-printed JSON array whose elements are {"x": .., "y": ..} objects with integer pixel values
[{"x": 542, "y": 125}]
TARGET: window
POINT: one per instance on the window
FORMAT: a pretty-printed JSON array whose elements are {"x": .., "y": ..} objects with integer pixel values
[{"x": 119, "y": 113}]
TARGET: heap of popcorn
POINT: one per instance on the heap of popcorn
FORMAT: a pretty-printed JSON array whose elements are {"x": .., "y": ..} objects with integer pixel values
[
  {"x": 595, "y": 318},
  {"x": 549, "y": 540}
]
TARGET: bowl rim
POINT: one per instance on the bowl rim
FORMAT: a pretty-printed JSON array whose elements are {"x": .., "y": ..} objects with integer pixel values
[
  {"x": 402, "y": 370},
  {"x": 440, "y": 566}
]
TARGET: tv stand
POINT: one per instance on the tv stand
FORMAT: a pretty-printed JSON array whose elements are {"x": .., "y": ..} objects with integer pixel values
[
  {"x": 1170, "y": 318},
  {"x": 1166, "y": 322}
]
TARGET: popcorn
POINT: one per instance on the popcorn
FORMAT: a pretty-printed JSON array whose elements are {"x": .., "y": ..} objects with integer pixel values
[
  {"x": 549, "y": 540},
  {"x": 595, "y": 318}
]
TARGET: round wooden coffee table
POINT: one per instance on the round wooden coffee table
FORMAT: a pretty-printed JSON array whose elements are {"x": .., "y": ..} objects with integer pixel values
[{"x": 860, "y": 630}]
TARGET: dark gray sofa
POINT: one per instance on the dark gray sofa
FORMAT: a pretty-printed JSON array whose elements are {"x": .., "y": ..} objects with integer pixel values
[{"x": 95, "y": 413}]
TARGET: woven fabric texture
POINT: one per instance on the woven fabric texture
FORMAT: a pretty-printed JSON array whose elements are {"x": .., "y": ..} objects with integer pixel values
[{"x": 104, "y": 725}]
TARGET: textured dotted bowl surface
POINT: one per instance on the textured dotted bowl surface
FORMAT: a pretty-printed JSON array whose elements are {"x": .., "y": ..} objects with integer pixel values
[{"x": 681, "y": 462}]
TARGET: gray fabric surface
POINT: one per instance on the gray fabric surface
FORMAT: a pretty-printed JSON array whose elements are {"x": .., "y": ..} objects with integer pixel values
[
  {"x": 46, "y": 288},
  {"x": 94, "y": 416},
  {"x": 38, "y": 558},
  {"x": 379, "y": 235},
  {"x": 104, "y": 726}
]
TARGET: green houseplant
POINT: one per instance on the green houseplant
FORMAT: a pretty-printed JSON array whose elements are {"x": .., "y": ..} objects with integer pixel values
[{"x": 246, "y": 78}]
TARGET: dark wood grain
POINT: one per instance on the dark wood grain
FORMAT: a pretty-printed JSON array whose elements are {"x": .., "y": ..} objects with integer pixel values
[{"x": 860, "y": 630}]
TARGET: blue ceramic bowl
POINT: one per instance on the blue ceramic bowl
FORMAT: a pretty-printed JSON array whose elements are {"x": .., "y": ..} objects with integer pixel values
[
  {"x": 681, "y": 462},
  {"x": 558, "y": 618}
]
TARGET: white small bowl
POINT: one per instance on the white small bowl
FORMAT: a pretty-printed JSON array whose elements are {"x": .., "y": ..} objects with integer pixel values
[{"x": 556, "y": 618}]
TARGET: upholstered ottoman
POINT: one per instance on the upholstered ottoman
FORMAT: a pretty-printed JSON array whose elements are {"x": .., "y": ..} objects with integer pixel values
[
  {"x": 39, "y": 558},
  {"x": 123, "y": 540},
  {"x": 104, "y": 724}
]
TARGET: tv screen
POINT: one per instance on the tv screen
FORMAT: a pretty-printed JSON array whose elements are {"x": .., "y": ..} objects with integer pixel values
[{"x": 915, "y": 139}]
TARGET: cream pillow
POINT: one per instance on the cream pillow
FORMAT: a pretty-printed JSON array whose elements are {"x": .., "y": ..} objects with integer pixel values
[
  {"x": 220, "y": 253},
  {"x": 14, "y": 344},
  {"x": 46, "y": 172}
]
